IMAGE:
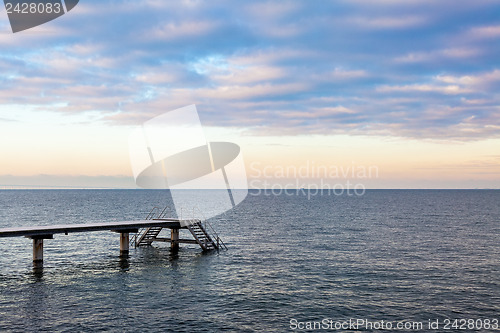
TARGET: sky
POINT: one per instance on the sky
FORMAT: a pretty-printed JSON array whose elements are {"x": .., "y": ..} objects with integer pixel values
[{"x": 408, "y": 90}]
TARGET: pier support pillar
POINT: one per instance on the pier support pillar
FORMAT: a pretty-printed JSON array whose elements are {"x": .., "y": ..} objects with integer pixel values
[
  {"x": 174, "y": 239},
  {"x": 37, "y": 251},
  {"x": 124, "y": 244}
]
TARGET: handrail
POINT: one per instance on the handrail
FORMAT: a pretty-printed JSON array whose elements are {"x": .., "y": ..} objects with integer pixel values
[
  {"x": 155, "y": 213},
  {"x": 133, "y": 239},
  {"x": 212, "y": 230},
  {"x": 163, "y": 212},
  {"x": 150, "y": 216},
  {"x": 152, "y": 213},
  {"x": 215, "y": 233}
]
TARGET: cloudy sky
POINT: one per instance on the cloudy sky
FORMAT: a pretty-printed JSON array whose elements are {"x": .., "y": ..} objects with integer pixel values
[{"x": 409, "y": 87}]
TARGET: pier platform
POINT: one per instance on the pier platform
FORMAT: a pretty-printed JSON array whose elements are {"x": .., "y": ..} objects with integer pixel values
[
  {"x": 146, "y": 232},
  {"x": 37, "y": 231}
]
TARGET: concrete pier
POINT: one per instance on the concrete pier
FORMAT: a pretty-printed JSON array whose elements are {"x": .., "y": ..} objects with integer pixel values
[
  {"x": 174, "y": 239},
  {"x": 151, "y": 227},
  {"x": 37, "y": 251},
  {"x": 39, "y": 233},
  {"x": 124, "y": 244}
]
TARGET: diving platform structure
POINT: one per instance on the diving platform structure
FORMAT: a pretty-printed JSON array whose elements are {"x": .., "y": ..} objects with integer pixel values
[{"x": 145, "y": 232}]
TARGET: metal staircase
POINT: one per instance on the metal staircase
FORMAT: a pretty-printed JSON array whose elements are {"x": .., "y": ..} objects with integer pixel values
[
  {"x": 147, "y": 235},
  {"x": 203, "y": 233},
  {"x": 206, "y": 241}
]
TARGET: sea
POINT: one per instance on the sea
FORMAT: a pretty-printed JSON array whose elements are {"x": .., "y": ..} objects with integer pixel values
[{"x": 383, "y": 260}]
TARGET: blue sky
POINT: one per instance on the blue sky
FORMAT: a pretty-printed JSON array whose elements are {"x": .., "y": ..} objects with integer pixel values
[{"x": 420, "y": 71}]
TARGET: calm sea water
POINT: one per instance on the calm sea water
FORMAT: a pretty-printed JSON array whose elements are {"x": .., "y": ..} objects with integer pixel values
[{"x": 391, "y": 255}]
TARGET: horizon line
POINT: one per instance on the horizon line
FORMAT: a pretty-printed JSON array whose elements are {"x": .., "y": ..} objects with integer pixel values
[{"x": 44, "y": 187}]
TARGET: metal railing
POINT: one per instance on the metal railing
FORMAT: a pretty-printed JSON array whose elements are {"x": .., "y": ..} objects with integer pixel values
[
  {"x": 155, "y": 214},
  {"x": 151, "y": 216},
  {"x": 210, "y": 230}
]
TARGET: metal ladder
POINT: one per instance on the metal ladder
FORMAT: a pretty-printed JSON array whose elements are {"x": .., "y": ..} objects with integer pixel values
[
  {"x": 207, "y": 241},
  {"x": 146, "y": 236},
  {"x": 203, "y": 232}
]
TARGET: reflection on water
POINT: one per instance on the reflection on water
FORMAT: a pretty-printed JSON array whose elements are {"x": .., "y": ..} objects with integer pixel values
[
  {"x": 124, "y": 263},
  {"x": 38, "y": 271}
]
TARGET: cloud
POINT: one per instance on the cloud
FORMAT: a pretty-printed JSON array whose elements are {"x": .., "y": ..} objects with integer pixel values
[
  {"x": 412, "y": 69},
  {"x": 484, "y": 32},
  {"x": 479, "y": 81},
  {"x": 249, "y": 92},
  {"x": 440, "y": 55},
  {"x": 272, "y": 10},
  {"x": 387, "y": 22},
  {"x": 66, "y": 182},
  {"x": 448, "y": 89},
  {"x": 7, "y": 120},
  {"x": 172, "y": 31},
  {"x": 317, "y": 113},
  {"x": 344, "y": 74}
]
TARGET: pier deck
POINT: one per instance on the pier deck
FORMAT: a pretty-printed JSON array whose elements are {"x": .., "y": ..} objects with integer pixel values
[
  {"x": 33, "y": 232},
  {"x": 39, "y": 233}
]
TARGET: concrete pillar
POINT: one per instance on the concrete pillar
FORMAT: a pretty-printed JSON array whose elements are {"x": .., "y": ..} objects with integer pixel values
[
  {"x": 124, "y": 243},
  {"x": 37, "y": 251},
  {"x": 174, "y": 239}
]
